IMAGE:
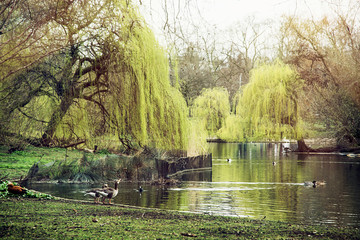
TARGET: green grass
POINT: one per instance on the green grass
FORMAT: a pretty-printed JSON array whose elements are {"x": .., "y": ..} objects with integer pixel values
[
  {"x": 18, "y": 163},
  {"x": 67, "y": 219}
]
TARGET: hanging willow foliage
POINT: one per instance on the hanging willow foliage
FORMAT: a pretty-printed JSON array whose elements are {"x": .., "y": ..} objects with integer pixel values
[
  {"x": 232, "y": 129},
  {"x": 140, "y": 106},
  {"x": 268, "y": 106},
  {"x": 212, "y": 107},
  {"x": 112, "y": 83}
]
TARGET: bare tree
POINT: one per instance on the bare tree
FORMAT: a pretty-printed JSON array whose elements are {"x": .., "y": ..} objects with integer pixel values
[{"x": 326, "y": 55}]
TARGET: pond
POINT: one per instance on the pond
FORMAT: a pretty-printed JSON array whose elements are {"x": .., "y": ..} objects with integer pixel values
[{"x": 251, "y": 185}]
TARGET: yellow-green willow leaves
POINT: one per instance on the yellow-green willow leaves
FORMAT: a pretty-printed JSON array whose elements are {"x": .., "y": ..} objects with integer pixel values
[
  {"x": 212, "y": 107},
  {"x": 108, "y": 84},
  {"x": 268, "y": 105}
]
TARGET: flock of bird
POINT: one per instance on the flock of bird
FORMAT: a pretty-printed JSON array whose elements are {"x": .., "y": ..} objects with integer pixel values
[
  {"x": 109, "y": 193},
  {"x": 106, "y": 192}
]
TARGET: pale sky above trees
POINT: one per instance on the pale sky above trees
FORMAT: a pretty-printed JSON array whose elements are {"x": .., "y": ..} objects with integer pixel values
[{"x": 223, "y": 14}]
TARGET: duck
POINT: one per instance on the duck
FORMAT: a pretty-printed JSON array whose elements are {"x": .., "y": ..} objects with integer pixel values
[
  {"x": 229, "y": 159},
  {"x": 351, "y": 155},
  {"x": 109, "y": 192},
  {"x": 141, "y": 189},
  {"x": 308, "y": 183},
  {"x": 95, "y": 193},
  {"x": 16, "y": 189},
  {"x": 314, "y": 183},
  {"x": 319, "y": 183},
  {"x": 274, "y": 163}
]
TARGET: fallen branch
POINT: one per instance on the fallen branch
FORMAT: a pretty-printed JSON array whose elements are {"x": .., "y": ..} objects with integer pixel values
[{"x": 74, "y": 144}]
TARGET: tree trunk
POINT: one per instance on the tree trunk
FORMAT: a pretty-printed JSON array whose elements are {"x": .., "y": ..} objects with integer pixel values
[
  {"x": 56, "y": 119},
  {"x": 302, "y": 146}
]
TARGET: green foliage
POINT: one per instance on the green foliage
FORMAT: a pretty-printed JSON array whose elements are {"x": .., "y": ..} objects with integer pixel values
[
  {"x": 83, "y": 169},
  {"x": 232, "y": 130},
  {"x": 4, "y": 193},
  {"x": 269, "y": 102},
  {"x": 267, "y": 108},
  {"x": 212, "y": 107},
  {"x": 18, "y": 163},
  {"x": 197, "y": 137},
  {"x": 110, "y": 78},
  {"x": 147, "y": 109}
]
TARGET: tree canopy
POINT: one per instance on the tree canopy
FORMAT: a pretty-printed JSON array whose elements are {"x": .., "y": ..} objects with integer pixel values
[
  {"x": 212, "y": 106},
  {"x": 326, "y": 55},
  {"x": 96, "y": 72},
  {"x": 268, "y": 106},
  {"x": 92, "y": 72}
]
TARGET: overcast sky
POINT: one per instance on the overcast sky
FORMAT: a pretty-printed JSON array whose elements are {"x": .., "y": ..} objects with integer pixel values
[{"x": 222, "y": 15}]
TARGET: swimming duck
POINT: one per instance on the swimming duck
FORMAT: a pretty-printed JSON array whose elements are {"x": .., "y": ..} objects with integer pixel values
[
  {"x": 110, "y": 192},
  {"x": 141, "y": 189},
  {"x": 95, "y": 193},
  {"x": 315, "y": 183},
  {"x": 16, "y": 189},
  {"x": 319, "y": 183},
  {"x": 308, "y": 183},
  {"x": 229, "y": 159}
]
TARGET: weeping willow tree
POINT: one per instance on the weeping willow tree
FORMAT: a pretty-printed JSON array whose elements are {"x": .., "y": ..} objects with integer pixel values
[
  {"x": 232, "y": 129},
  {"x": 268, "y": 106},
  {"x": 212, "y": 107},
  {"x": 109, "y": 78}
]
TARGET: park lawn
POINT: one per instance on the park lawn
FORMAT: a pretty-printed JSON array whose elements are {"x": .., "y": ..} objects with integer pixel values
[
  {"x": 70, "y": 219},
  {"x": 17, "y": 164}
]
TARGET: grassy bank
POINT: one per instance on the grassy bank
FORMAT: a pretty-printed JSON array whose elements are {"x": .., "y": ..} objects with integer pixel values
[
  {"x": 54, "y": 219},
  {"x": 17, "y": 164}
]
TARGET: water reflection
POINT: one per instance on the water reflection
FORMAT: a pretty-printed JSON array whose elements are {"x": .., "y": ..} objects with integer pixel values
[{"x": 252, "y": 186}]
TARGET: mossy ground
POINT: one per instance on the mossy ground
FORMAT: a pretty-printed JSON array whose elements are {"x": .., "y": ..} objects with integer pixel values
[{"x": 67, "y": 219}]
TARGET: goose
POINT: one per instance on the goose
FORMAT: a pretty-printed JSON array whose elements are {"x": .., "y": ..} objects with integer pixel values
[
  {"x": 110, "y": 192},
  {"x": 95, "y": 193}
]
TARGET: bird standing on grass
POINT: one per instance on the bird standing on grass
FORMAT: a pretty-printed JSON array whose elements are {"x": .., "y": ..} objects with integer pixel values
[
  {"x": 95, "y": 193},
  {"x": 110, "y": 192}
]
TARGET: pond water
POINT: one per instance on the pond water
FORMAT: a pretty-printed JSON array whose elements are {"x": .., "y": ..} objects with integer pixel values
[{"x": 252, "y": 186}]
